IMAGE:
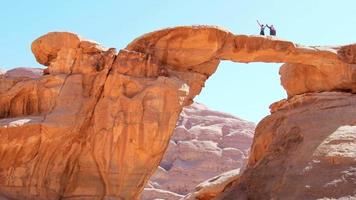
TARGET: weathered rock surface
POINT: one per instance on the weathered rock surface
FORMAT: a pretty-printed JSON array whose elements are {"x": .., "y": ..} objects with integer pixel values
[
  {"x": 156, "y": 194},
  {"x": 24, "y": 72},
  {"x": 98, "y": 123},
  {"x": 308, "y": 69},
  {"x": 85, "y": 131},
  {"x": 204, "y": 144},
  {"x": 209, "y": 189},
  {"x": 306, "y": 149}
]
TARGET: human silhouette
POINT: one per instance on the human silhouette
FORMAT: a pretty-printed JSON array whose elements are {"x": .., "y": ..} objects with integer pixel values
[
  {"x": 262, "y": 28},
  {"x": 272, "y": 30}
]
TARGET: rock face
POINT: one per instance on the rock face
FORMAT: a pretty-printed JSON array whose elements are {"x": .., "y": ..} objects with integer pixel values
[
  {"x": 204, "y": 144},
  {"x": 307, "y": 69},
  {"x": 306, "y": 149},
  {"x": 86, "y": 130},
  {"x": 98, "y": 123},
  {"x": 209, "y": 189},
  {"x": 154, "y": 193},
  {"x": 24, "y": 72}
]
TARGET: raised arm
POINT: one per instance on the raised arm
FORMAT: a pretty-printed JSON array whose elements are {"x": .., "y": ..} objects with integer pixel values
[
  {"x": 268, "y": 26},
  {"x": 258, "y": 23}
]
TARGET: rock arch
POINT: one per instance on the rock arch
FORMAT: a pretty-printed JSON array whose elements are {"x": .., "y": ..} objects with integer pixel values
[{"x": 97, "y": 125}]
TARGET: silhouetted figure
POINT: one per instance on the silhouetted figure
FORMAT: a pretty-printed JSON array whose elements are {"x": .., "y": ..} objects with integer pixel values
[
  {"x": 262, "y": 28},
  {"x": 272, "y": 30}
]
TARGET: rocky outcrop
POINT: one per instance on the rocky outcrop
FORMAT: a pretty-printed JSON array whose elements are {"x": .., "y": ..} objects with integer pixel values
[
  {"x": 204, "y": 144},
  {"x": 307, "y": 69},
  {"x": 154, "y": 193},
  {"x": 210, "y": 188},
  {"x": 96, "y": 117},
  {"x": 97, "y": 124},
  {"x": 85, "y": 130},
  {"x": 24, "y": 72},
  {"x": 304, "y": 150}
]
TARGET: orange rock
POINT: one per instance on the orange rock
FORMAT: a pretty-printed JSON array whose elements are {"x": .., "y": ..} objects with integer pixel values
[
  {"x": 347, "y": 53},
  {"x": 136, "y": 64},
  {"x": 304, "y": 150},
  {"x": 307, "y": 69},
  {"x": 98, "y": 124},
  {"x": 182, "y": 48},
  {"x": 47, "y": 47},
  {"x": 210, "y": 188},
  {"x": 88, "y": 128}
]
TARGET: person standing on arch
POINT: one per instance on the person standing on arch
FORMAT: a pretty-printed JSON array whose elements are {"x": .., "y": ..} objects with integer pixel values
[
  {"x": 262, "y": 28},
  {"x": 272, "y": 30}
]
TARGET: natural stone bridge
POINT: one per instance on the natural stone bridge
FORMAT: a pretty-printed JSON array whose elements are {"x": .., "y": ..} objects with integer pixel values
[{"x": 98, "y": 123}]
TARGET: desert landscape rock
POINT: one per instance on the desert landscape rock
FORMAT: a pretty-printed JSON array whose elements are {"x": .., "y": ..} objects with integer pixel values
[
  {"x": 24, "y": 72},
  {"x": 97, "y": 124},
  {"x": 204, "y": 144},
  {"x": 210, "y": 188},
  {"x": 154, "y": 193},
  {"x": 306, "y": 149}
]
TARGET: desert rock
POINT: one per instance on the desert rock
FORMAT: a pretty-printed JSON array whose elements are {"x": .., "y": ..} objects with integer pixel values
[
  {"x": 210, "y": 188},
  {"x": 154, "y": 193},
  {"x": 304, "y": 150},
  {"x": 98, "y": 124},
  {"x": 24, "y": 72},
  {"x": 85, "y": 130},
  {"x": 204, "y": 144}
]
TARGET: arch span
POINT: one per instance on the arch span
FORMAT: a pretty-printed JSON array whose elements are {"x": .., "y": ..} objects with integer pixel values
[
  {"x": 306, "y": 68},
  {"x": 97, "y": 125}
]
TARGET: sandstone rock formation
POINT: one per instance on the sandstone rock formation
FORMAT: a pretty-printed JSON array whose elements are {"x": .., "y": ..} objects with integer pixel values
[
  {"x": 97, "y": 125},
  {"x": 24, "y": 72},
  {"x": 209, "y": 189},
  {"x": 204, "y": 144},
  {"x": 306, "y": 149},
  {"x": 158, "y": 194},
  {"x": 199, "y": 49},
  {"x": 86, "y": 130}
]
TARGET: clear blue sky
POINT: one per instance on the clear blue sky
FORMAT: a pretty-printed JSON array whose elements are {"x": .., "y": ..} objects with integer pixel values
[{"x": 245, "y": 90}]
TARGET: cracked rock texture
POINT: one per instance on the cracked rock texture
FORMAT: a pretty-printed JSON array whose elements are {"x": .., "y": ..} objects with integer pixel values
[
  {"x": 86, "y": 130},
  {"x": 306, "y": 149},
  {"x": 97, "y": 124}
]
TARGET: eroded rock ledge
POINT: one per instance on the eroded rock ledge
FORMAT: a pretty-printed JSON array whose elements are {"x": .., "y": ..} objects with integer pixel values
[
  {"x": 306, "y": 149},
  {"x": 97, "y": 125}
]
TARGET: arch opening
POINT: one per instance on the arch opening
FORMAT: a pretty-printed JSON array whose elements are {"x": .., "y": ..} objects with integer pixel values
[
  {"x": 134, "y": 97},
  {"x": 244, "y": 90}
]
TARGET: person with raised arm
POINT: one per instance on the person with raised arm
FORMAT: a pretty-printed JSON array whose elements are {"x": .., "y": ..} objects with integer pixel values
[
  {"x": 262, "y": 28},
  {"x": 272, "y": 30}
]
